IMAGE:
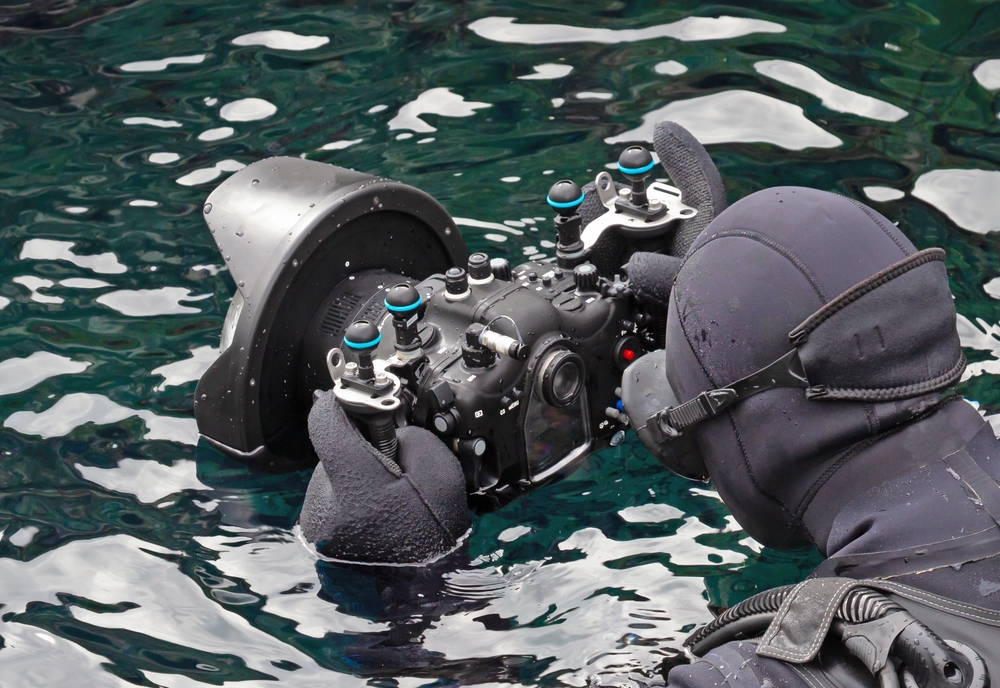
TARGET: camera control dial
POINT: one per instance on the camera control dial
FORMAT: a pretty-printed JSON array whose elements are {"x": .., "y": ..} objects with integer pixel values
[{"x": 585, "y": 277}]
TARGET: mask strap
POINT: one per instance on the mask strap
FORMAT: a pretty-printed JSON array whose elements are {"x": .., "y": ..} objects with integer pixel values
[{"x": 785, "y": 372}]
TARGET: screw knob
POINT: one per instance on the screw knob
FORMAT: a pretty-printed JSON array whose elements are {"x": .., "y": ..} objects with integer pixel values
[
  {"x": 565, "y": 196},
  {"x": 456, "y": 284},
  {"x": 585, "y": 277},
  {"x": 479, "y": 266},
  {"x": 500, "y": 267}
]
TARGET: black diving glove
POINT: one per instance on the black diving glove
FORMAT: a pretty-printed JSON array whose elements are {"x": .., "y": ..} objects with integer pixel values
[
  {"x": 362, "y": 507},
  {"x": 691, "y": 170}
]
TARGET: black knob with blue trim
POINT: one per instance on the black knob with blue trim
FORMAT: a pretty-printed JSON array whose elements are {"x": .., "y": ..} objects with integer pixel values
[
  {"x": 361, "y": 337},
  {"x": 565, "y": 196},
  {"x": 635, "y": 163},
  {"x": 404, "y": 303}
]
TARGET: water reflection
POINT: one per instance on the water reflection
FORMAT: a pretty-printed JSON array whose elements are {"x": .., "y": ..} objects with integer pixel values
[
  {"x": 153, "y": 122},
  {"x": 186, "y": 370},
  {"x": 144, "y": 303},
  {"x": 247, "y": 110},
  {"x": 19, "y": 374},
  {"x": 988, "y": 74},
  {"x": 882, "y": 194},
  {"x": 549, "y": 70},
  {"x": 505, "y": 30},
  {"x": 35, "y": 285},
  {"x": 670, "y": 68},
  {"x": 436, "y": 101},
  {"x": 148, "y": 480},
  {"x": 833, "y": 96},
  {"x": 736, "y": 117},
  {"x": 74, "y": 410},
  {"x": 970, "y": 198},
  {"x": 340, "y": 145},
  {"x": 163, "y": 158},
  {"x": 208, "y": 174},
  {"x": 281, "y": 40},
  {"x": 52, "y": 249},
  {"x": 160, "y": 65},
  {"x": 216, "y": 134}
]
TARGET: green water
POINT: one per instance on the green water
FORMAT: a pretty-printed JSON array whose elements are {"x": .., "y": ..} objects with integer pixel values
[{"x": 131, "y": 555}]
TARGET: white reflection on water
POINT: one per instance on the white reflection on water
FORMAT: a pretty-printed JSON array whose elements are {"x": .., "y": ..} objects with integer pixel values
[
  {"x": 148, "y": 480},
  {"x": 274, "y": 562},
  {"x": 594, "y": 95},
  {"x": 187, "y": 370},
  {"x": 207, "y": 174},
  {"x": 142, "y": 203},
  {"x": 74, "y": 410},
  {"x": 4, "y": 302},
  {"x": 149, "y": 302},
  {"x": 670, "y": 67},
  {"x": 83, "y": 283},
  {"x": 581, "y": 627},
  {"x": 161, "y": 123},
  {"x": 34, "y": 284},
  {"x": 247, "y": 110},
  {"x": 504, "y": 30},
  {"x": 650, "y": 513},
  {"x": 436, "y": 101},
  {"x": 340, "y": 145},
  {"x": 970, "y": 198},
  {"x": 832, "y": 96},
  {"x": 19, "y": 374},
  {"x": 171, "y": 606},
  {"x": 985, "y": 339},
  {"x": 50, "y": 249},
  {"x": 281, "y": 40},
  {"x": 24, "y": 536},
  {"x": 882, "y": 194},
  {"x": 988, "y": 74},
  {"x": 163, "y": 158},
  {"x": 736, "y": 117},
  {"x": 160, "y": 65},
  {"x": 549, "y": 70},
  {"x": 216, "y": 134}
]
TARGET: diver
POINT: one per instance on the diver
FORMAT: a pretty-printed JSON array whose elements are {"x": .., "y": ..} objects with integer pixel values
[{"x": 809, "y": 360}]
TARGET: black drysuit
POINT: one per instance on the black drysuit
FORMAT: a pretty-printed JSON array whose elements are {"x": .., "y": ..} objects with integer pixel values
[{"x": 856, "y": 479}]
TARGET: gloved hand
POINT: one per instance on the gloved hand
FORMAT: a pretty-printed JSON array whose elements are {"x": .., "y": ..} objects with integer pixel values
[
  {"x": 362, "y": 507},
  {"x": 691, "y": 170}
]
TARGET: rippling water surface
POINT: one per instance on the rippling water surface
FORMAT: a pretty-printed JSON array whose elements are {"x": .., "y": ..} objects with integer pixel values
[{"x": 133, "y": 555}]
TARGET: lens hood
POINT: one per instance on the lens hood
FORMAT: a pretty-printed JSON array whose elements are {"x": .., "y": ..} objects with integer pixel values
[{"x": 290, "y": 230}]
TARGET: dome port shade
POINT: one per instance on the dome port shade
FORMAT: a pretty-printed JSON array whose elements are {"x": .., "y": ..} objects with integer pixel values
[{"x": 305, "y": 227}]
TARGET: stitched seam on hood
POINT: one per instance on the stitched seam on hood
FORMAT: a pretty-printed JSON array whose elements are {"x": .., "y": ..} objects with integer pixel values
[
  {"x": 753, "y": 477},
  {"x": 865, "y": 286},
  {"x": 752, "y": 236},
  {"x": 867, "y": 211}
]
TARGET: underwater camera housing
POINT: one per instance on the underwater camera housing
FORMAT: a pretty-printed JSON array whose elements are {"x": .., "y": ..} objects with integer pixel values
[{"x": 364, "y": 285}]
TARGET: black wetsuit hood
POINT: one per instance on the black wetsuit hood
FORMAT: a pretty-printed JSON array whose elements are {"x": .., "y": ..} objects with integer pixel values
[{"x": 784, "y": 464}]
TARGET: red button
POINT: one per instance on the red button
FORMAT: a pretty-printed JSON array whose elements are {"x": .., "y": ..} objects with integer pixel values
[{"x": 628, "y": 354}]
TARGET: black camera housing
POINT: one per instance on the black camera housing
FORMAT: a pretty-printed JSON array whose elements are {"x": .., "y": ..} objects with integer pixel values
[
  {"x": 514, "y": 421},
  {"x": 290, "y": 230}
]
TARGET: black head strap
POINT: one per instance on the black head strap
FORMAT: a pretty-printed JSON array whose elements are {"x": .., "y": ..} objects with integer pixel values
[{"x": 891, "y": 336}]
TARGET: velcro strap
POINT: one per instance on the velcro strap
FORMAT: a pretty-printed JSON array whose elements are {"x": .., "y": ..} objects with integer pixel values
[{"x": 803, "y": 621}]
